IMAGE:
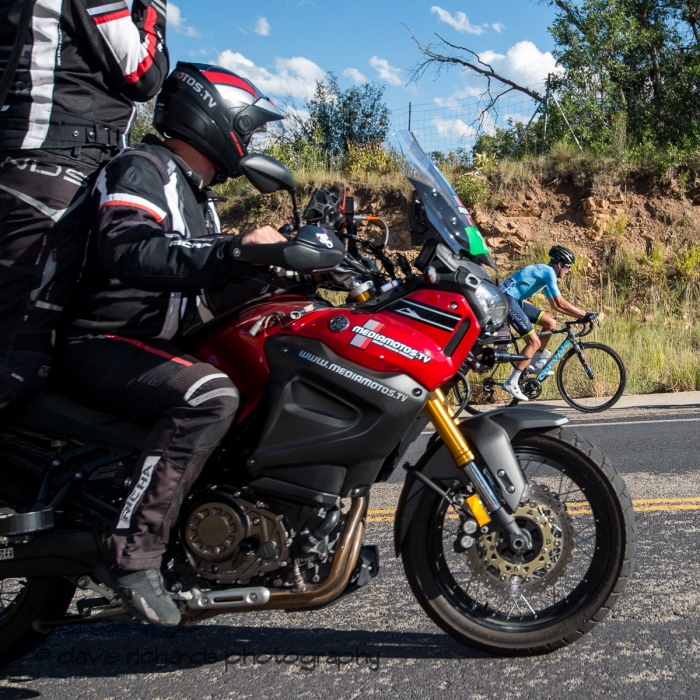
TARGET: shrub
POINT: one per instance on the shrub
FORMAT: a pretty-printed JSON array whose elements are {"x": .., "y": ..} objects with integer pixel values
[
  {"x": 472, "y": 189},
  {"x": 371, "y": 157},
  {"x": 299, "y": 154}
]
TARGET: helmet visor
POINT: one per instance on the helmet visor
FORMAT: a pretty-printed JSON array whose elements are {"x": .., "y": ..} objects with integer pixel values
[{"x": 275, "y": 129}]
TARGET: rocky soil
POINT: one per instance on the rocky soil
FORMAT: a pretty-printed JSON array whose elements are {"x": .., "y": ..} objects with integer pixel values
[{"x": 637, "y": 218}]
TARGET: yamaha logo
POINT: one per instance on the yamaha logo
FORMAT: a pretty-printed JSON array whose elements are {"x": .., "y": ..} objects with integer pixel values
[{"x": 338, "y": 323}]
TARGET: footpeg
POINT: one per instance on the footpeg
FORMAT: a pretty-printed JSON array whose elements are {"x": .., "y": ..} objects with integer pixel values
[
  {"x": 230, "y": 598},
  {"x": 12, "y": 523}
]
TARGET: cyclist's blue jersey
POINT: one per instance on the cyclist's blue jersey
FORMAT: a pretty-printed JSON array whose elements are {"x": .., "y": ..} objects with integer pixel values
[{"x": 527, "y": 282}]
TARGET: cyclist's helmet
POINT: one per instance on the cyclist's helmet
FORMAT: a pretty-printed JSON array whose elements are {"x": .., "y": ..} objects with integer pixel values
[
  {"x": 562, "y": 255},
  {"x": 215, "y": 111}
]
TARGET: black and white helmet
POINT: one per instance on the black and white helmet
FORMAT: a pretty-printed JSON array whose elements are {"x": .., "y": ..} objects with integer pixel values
[
  {"x": 562, "y": 255},
  {"x": 215, "y": 111}
]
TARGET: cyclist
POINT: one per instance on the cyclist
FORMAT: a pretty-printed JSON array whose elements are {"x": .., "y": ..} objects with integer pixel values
[{"x": 524, "y": 284}]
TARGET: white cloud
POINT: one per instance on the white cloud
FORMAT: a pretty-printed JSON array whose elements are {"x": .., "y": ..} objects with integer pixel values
[
  {"x": 177, "y": 22},
  {"x": 523, "y": 63},
  {"x": 262, "y": 27},
  {"x": 355, "y": 75},
  {"x": 498, "y": 27},
  {"x": 459, "y": 21},
  {"x": 386, "y": 72},
  {"x": 451, "y": 103},
  {"x": 296, "y": 76},
  {"x": 454, "y": 128}
]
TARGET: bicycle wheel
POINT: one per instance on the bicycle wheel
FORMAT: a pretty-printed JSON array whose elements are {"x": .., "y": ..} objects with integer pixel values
[
  {"x": 594, "y": 383},
  {"x": 486, "y": 392},
  {"x": 457, "y": 393}
]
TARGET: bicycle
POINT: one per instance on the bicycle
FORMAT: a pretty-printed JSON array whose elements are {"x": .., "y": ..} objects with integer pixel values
[{"x": 592, "y": 384}]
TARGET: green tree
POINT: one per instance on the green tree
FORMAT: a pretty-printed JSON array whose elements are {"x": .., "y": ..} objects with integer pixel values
[
  {"x": 338, "y": 117},
  {"x": 631, "y": 61},
  {"x": 503, "y": 140},
  {"x": 143, "y": 123}
]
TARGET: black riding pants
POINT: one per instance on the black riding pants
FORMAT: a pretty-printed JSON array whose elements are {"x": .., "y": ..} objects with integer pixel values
[
  {"x": 44, "y": 221},
  {"x": 190, "y": 405}
]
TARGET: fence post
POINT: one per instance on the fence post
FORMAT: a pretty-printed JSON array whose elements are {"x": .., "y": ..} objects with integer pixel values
[
  {"x": 409, "y": 116},
  {"x": 546, "y": 113},
  {"x": 527, "y": 128}
]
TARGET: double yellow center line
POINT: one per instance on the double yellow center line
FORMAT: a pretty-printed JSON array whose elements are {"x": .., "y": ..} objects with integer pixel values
[{"x": 641, "y": 505}]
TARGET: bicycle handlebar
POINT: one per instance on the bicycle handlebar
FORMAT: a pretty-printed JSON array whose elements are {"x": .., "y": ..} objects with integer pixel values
[
  {"x": 587, "y": 330},
  {"x": 568, "y": 324}
]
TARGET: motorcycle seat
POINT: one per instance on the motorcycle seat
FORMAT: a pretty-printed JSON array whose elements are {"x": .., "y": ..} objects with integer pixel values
[{"x": 58, "y": 414}]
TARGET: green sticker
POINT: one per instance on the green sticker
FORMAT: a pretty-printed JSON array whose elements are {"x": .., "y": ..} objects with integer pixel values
[{"x": 477, "y": 245}]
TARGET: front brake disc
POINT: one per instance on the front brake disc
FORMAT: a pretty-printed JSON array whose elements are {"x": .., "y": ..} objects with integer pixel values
[{"x": 545, "y": 517}]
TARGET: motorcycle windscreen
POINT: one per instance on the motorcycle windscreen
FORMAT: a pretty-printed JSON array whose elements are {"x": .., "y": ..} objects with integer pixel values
[{"x": 443, "y": 207}]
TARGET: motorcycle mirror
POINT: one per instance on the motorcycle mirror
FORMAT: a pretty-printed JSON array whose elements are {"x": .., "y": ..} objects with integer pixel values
[{"x": 267, "y": 174}]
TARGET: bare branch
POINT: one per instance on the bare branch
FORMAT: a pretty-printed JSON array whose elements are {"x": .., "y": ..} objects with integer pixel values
[{"x": 442, "y": 55}]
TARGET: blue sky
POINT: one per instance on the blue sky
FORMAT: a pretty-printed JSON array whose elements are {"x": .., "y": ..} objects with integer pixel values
[{"x": 285, "y": 45}]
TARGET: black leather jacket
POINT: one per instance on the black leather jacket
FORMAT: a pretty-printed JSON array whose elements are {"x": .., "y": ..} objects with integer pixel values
[
  {"x": 155, "y": 246},
  {"x": 84, "y": 65}
]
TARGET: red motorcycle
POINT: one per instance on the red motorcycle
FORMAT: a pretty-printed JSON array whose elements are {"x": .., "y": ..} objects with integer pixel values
[{"x": 516, "y": 534}]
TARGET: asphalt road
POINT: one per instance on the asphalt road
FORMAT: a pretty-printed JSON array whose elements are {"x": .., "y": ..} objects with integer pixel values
[{"x": 379, "y": 642}]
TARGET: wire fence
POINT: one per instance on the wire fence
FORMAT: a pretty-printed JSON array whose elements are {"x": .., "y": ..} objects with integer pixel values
[{"x": 451, "y": 127}]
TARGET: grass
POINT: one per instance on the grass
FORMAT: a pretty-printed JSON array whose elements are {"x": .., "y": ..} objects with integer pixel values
[{"x": 651, "y": 300}]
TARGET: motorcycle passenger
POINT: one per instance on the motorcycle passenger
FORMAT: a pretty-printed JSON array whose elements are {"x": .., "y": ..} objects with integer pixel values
[
  {"x": 155, "y": 246},
  {"x": 524, "y": 284},
  {"x": 67, "y": 110}
]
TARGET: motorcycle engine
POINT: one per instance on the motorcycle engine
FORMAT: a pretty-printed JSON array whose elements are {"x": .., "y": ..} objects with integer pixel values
[{"x": 231, "y": 540}]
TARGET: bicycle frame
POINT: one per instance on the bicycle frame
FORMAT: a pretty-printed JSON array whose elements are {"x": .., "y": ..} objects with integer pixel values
[
  {"x": 555, "y": 358},
  {"x": 571, "y": 340},
  {"x": 561, "y": 350}
]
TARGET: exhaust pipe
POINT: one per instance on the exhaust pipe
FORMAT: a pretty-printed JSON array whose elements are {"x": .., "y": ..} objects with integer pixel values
[{"x": 344, "y": 561}]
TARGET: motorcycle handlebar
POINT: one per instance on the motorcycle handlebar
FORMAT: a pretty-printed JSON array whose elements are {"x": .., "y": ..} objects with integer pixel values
[{"x": 293, "y": 255}]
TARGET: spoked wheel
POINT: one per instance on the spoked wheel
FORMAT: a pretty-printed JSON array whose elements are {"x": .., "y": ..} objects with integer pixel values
[
  {"x": 25, "y": 600},
  {"x": 22, "y": 601},
  {"x": 580, "y": 519},
  {"x": 486, "y": 392},
  {"x": 593, "y": 382}
]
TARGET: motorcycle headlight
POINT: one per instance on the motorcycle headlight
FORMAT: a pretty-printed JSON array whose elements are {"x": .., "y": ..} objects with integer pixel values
[{"x": 494, "y": 304}]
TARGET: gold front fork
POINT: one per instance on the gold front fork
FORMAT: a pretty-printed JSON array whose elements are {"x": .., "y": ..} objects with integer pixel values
[
  {"x": 436, "y": 409},
  {"x": 446, "y": 428}
]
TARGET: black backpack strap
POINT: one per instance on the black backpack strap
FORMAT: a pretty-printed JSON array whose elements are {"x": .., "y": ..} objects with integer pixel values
[{"x": 25, "y": 20}]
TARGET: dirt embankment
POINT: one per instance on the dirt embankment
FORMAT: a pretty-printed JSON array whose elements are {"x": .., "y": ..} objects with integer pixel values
[{"x": 638, "y": 217}]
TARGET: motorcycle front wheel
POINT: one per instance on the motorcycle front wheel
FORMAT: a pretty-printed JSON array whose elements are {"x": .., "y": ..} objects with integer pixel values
[{"x": 579, "y": 514}]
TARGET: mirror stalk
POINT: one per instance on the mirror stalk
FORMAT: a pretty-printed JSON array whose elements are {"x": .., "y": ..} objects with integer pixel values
[{"x": 296, "y": 212}]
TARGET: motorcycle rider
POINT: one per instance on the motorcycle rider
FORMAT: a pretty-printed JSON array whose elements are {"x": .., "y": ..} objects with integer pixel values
[
  {"x": 155, "y": 246},
  {"x": 76, "y": 68},
  {"x": 524, "y": 284}
]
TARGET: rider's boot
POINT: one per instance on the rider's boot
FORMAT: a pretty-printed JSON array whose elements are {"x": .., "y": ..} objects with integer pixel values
[{"x": 142, "y": 592}]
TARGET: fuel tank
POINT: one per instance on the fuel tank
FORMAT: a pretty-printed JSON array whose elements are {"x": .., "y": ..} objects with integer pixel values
[{"x": 425, "y": 335}]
